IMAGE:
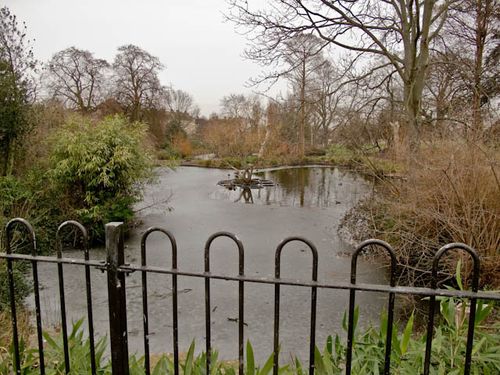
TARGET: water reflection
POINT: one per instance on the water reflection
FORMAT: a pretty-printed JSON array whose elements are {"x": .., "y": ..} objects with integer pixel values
[
  {"x": 246, "y": 194},
  {"x": 302, "y": 187}
]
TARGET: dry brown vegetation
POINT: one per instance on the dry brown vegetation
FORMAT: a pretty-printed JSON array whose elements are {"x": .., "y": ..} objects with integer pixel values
[
  {"x": 229, "y": 137},
  {"x": 451, "y": 193},
  {"x": 25, "y": 329}
]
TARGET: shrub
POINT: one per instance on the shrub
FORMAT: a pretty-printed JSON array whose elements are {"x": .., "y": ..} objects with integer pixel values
[
  {"x": 98, "y": 166},
  {"x": 183, "y": 146},
  {"x": 167, "y": 153},
  {"x": 340, "y": 155},
  {"x": 449, "y": 195},
  {"x": 20, "y": 282},
  {"x": 179, "y": 148},
  {"x": 316, "y": 152},
  {"x": 17, "y": 199}
]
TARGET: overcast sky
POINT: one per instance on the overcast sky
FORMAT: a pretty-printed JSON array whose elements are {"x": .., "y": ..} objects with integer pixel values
[{"x": 201, "y": 52}]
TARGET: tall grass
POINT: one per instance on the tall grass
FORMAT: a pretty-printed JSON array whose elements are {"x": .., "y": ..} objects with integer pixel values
[{"x": 451, "y": 193}]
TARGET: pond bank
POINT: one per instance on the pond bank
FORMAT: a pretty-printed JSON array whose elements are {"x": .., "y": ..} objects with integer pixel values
[{"x": 369, "y": 165}]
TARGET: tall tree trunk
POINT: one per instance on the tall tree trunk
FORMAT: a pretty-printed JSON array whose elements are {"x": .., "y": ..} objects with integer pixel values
[
  {"x": 263, "y": 145},
  {"x": 302, "y": 122},
  {"x": 416, "y": 38},
  {"x": 483, "y": 9},
  {"x": 413, "y": 123},
  {"x": 325, "y": 134}
]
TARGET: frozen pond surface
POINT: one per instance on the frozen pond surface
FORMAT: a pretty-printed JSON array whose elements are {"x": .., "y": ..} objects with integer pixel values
[{"x": 308, "y": 202}]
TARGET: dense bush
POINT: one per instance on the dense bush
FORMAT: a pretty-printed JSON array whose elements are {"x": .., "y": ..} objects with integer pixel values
[
  {"x": 16, "y": 200},
  {"x": 20, "y": 282},
  {"x": 33, "y": 197},
  {"x": 449, "y": 195},
  {"x": 93, "y": 176},
  {"x": 180, "y": 148},
  {"x": 16, "y": 196},
  {"x": 98, "y": 167}
]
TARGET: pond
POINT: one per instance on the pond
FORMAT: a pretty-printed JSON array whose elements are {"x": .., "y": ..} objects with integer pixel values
[
  {"x": 319, "y": 187},
  {"x": 308, "y": 202}
]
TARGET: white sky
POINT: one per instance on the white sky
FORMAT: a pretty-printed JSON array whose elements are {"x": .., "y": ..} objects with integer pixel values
[{"x": 201, "y": 52}]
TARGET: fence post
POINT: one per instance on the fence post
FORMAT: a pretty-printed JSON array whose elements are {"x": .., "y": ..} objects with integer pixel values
[{"x": 117, "y": 299}]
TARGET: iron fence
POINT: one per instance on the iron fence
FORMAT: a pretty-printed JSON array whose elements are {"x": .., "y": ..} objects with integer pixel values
[{"x": 117, "y": 269}]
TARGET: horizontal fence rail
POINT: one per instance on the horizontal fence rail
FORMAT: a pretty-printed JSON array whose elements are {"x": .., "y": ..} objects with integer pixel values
[{"x": 116, "y": 270}]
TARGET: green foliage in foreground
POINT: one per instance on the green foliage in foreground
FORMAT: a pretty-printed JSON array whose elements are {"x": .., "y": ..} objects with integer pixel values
[
  {"x": 94, "y": 176},
  {"x": 99, "y": 166},
  {"x": 408, "y": 352},
  {"x": 22, "y": 287}
]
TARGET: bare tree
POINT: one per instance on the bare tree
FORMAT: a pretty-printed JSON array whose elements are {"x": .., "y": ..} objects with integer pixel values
[
  {"x": 473, "y": 32},
  {"x": 179, "y": 111},
  {"x": 272, "y": 123},
  {"x": 256, "y": 113},
  {"x": 445, "y": 96},
  {"x": 325, "y": 100},
  {"x": 245, "y": 112},
  {"x": 295, "y": 59},
  {"x": 234, "y": 106},
  {"x": 179, "y": 101},
  {"x": 303, "y": 56},
  {"x": 77, "y": 78},
  {"x": 137, "y": 84},
  {"x": 399, "y": 31}
]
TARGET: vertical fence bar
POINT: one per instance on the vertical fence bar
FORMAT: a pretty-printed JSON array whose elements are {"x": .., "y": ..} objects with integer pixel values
[
  {"x": 390, "y": 320},
  {"x": 350, "y": 324},
  {"x": 88, "y": 290},
  {"x": 36, "y": 290},
  {"x": 276, "y": 323},
  {"x": 241, "y": 309},
  {"x": 312, "y": 332},
  {"x": 60, "y": 274},
  {"x": 173, "y": 244},
  {"x": 10, "y": 271},
  {"x": 430, "y": 327},
  {"x": 175, "y": 309},
  {"x": 12, "y": 296},
  {"x": 472, "y": 312},
  {"x": 84, "y": 238},
  {"x": 352, "y": 304},
  {"x": 117, "y": 299},
  {"x": 208, "y": 331},
  {"x": 145, "y": 315},
  {"x": 38, "y": 311},
  {"x": 241, "y": 322}
]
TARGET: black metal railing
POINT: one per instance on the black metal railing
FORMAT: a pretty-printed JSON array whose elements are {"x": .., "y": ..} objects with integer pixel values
[{"x": 117, "y": 269}]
